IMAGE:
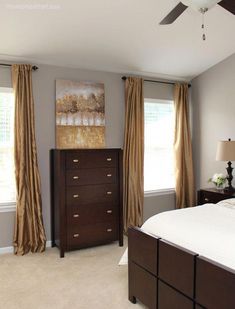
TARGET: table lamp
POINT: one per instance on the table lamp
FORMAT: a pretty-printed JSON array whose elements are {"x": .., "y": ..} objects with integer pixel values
[{"x": 226, "y": 152}]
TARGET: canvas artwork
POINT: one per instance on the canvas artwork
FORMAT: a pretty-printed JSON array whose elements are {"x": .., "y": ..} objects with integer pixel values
[{"x": 80, "y": 115}]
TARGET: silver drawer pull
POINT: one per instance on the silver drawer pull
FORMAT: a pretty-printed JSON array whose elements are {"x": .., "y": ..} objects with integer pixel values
[
  {"x": 109, "y": 230},
  {"x": 75, "y": 235},
  {"x": 109, "y": 193},
  {"x": 109, "y": 211},
  {"x": 75, "y": 177},
  {"x": 76, "y": 215},
  {"x": 75, "y": 195},
  {"x": 109, "y": 175},
  {"x": 109, "y": 159},
  {"x": 206, "y": 199},
  {"x": 75, "y": 160}
]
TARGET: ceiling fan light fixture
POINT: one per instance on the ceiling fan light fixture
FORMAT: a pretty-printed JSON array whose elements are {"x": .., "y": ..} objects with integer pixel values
[{"x": 200, "y": 4}]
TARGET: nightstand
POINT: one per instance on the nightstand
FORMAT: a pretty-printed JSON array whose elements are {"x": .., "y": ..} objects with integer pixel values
[{"x": 212, "y": 195}]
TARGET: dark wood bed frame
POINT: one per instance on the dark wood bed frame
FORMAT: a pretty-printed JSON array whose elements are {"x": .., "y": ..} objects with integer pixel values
[{"x": 165, "y": 276}]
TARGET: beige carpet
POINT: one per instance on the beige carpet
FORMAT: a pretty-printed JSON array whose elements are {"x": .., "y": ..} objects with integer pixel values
[{"x": 84, "y": 279}]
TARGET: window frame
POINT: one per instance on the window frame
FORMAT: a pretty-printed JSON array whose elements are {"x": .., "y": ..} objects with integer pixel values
[
  {"x": 7, "y": 206},
  {"x": 163, "y": 191}
]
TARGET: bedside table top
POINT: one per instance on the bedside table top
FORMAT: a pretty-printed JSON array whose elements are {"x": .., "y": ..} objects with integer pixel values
[{"x": 214, "y": 190}]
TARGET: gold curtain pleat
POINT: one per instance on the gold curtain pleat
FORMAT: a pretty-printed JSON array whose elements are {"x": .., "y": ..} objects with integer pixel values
[
  {"x": 133, "y": 154},
  {"x": 29, "y": 234},
  {"x": 185, "y": 195}
]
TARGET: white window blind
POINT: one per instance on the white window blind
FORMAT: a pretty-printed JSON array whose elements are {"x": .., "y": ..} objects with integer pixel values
[
  {"x": 7, "y": 177},
  {"x": 158, "y": 152}
]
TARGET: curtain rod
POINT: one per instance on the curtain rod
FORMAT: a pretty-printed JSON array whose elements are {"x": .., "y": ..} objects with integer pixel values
[
  {"x": 34, "y": 67},
  {"x": 155, "y": 81}
]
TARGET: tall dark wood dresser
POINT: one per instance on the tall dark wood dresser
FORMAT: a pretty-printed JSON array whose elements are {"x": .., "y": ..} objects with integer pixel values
[{"x": 86, "y": 197}]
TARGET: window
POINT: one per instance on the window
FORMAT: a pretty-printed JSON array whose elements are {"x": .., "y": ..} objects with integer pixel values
[
  {"x": 7, "y": 177},
  {"x": 158, "y": 152}
]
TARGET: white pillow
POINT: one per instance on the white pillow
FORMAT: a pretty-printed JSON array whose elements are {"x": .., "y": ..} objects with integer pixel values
[{"x": 230, "y": 202}]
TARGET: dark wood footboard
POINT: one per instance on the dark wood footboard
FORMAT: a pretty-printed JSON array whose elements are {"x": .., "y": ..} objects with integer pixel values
[
  {"x": 176, "y": 267},
  {"x": 215, "y": 285},
  {"x": 165, "y": 276},
  {"x": 142, "y": 267},
  {"x": 143, "y": 249}
]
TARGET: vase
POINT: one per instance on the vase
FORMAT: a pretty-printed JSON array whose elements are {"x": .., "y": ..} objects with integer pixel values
[{"x": 220, "y": 187}]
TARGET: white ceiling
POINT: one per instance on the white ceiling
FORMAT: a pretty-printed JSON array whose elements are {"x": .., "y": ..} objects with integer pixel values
[{"x": 115, "y": 35}]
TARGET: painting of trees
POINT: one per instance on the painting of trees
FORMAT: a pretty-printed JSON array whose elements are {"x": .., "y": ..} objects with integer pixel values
[{"x": 80, "y": 114}]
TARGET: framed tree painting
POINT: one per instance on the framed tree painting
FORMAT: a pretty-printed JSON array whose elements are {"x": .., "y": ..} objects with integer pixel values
[{"x": 80, "y": 114}]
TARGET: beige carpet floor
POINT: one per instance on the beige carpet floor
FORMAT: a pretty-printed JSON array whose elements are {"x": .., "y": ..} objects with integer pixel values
[{"x": 84, "y": 279}]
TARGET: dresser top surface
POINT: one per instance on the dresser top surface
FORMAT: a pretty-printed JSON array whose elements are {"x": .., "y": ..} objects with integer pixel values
[{"x": 88, "y": 149}]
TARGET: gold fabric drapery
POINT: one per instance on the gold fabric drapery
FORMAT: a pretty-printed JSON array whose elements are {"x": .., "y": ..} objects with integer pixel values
[
  {"x": 133, "y": 155},
  {"x": 29, "y": 232},
  {"x": 185, "y": 196}
]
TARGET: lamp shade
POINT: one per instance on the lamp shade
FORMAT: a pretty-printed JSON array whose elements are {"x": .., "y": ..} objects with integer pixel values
[
  {"x": 225, "y": 151},
  {"x": 200, "y": 4}
]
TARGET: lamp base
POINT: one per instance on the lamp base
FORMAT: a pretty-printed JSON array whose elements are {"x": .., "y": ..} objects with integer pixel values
[
  {"x": 229, "y": 169},
  {"x": 229, "y": 189}
]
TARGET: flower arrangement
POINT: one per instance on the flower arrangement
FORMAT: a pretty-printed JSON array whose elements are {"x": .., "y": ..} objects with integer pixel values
[{"x": 219, "y": 180}]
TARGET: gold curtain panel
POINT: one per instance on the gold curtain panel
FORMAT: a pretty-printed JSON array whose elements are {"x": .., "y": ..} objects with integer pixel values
[
  {"x": 185, "y": 194},
  {"x": 29, "y": 231},
  {"x": 133, "y": 155}
]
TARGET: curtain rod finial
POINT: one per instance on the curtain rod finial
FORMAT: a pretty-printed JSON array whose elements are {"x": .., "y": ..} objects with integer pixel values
[
  {"x": 35, "y": 68},
  {"x": 124, "y": 77}
]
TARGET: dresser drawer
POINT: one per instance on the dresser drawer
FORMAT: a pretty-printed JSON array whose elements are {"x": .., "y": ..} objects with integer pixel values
[
  {"x": 91, "y": 176},
  {"x": 85, "y": 195},
  {"x": 92, "y": 214},
  {"x": 76, "y": 159},
  {"x": 87, "y": 235}
]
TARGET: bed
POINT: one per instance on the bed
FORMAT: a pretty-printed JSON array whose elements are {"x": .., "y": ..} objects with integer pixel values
[{"x": 184, "y": 259}]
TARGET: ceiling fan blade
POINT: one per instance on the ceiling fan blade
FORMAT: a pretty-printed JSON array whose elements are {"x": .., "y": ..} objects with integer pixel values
[
  {"x": 228, "y": 5},
  {"x": 174, "y": 14}
]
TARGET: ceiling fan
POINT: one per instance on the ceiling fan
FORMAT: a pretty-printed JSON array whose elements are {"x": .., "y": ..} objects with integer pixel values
[{"x": 201, "y": 5}]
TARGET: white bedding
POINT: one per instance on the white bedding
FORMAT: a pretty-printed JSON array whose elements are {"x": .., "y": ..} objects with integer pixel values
[{"x": 208, "y": 230}]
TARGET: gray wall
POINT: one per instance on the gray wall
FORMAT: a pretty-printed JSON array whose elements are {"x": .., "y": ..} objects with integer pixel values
[
  {"x": 156, "y": 204},
  {"x": 213, "y": 103},
  {"x": 44, "y": 97}
]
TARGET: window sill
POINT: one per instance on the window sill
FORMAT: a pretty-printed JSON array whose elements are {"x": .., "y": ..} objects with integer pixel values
[
  {"x": 7, "y": 207},
  {"x": 159, "y": 192}
]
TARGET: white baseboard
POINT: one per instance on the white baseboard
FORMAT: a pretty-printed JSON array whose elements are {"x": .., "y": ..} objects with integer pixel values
[
  {"x": 48, "y": 244},
  {"x": 4, "y": 250}
]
